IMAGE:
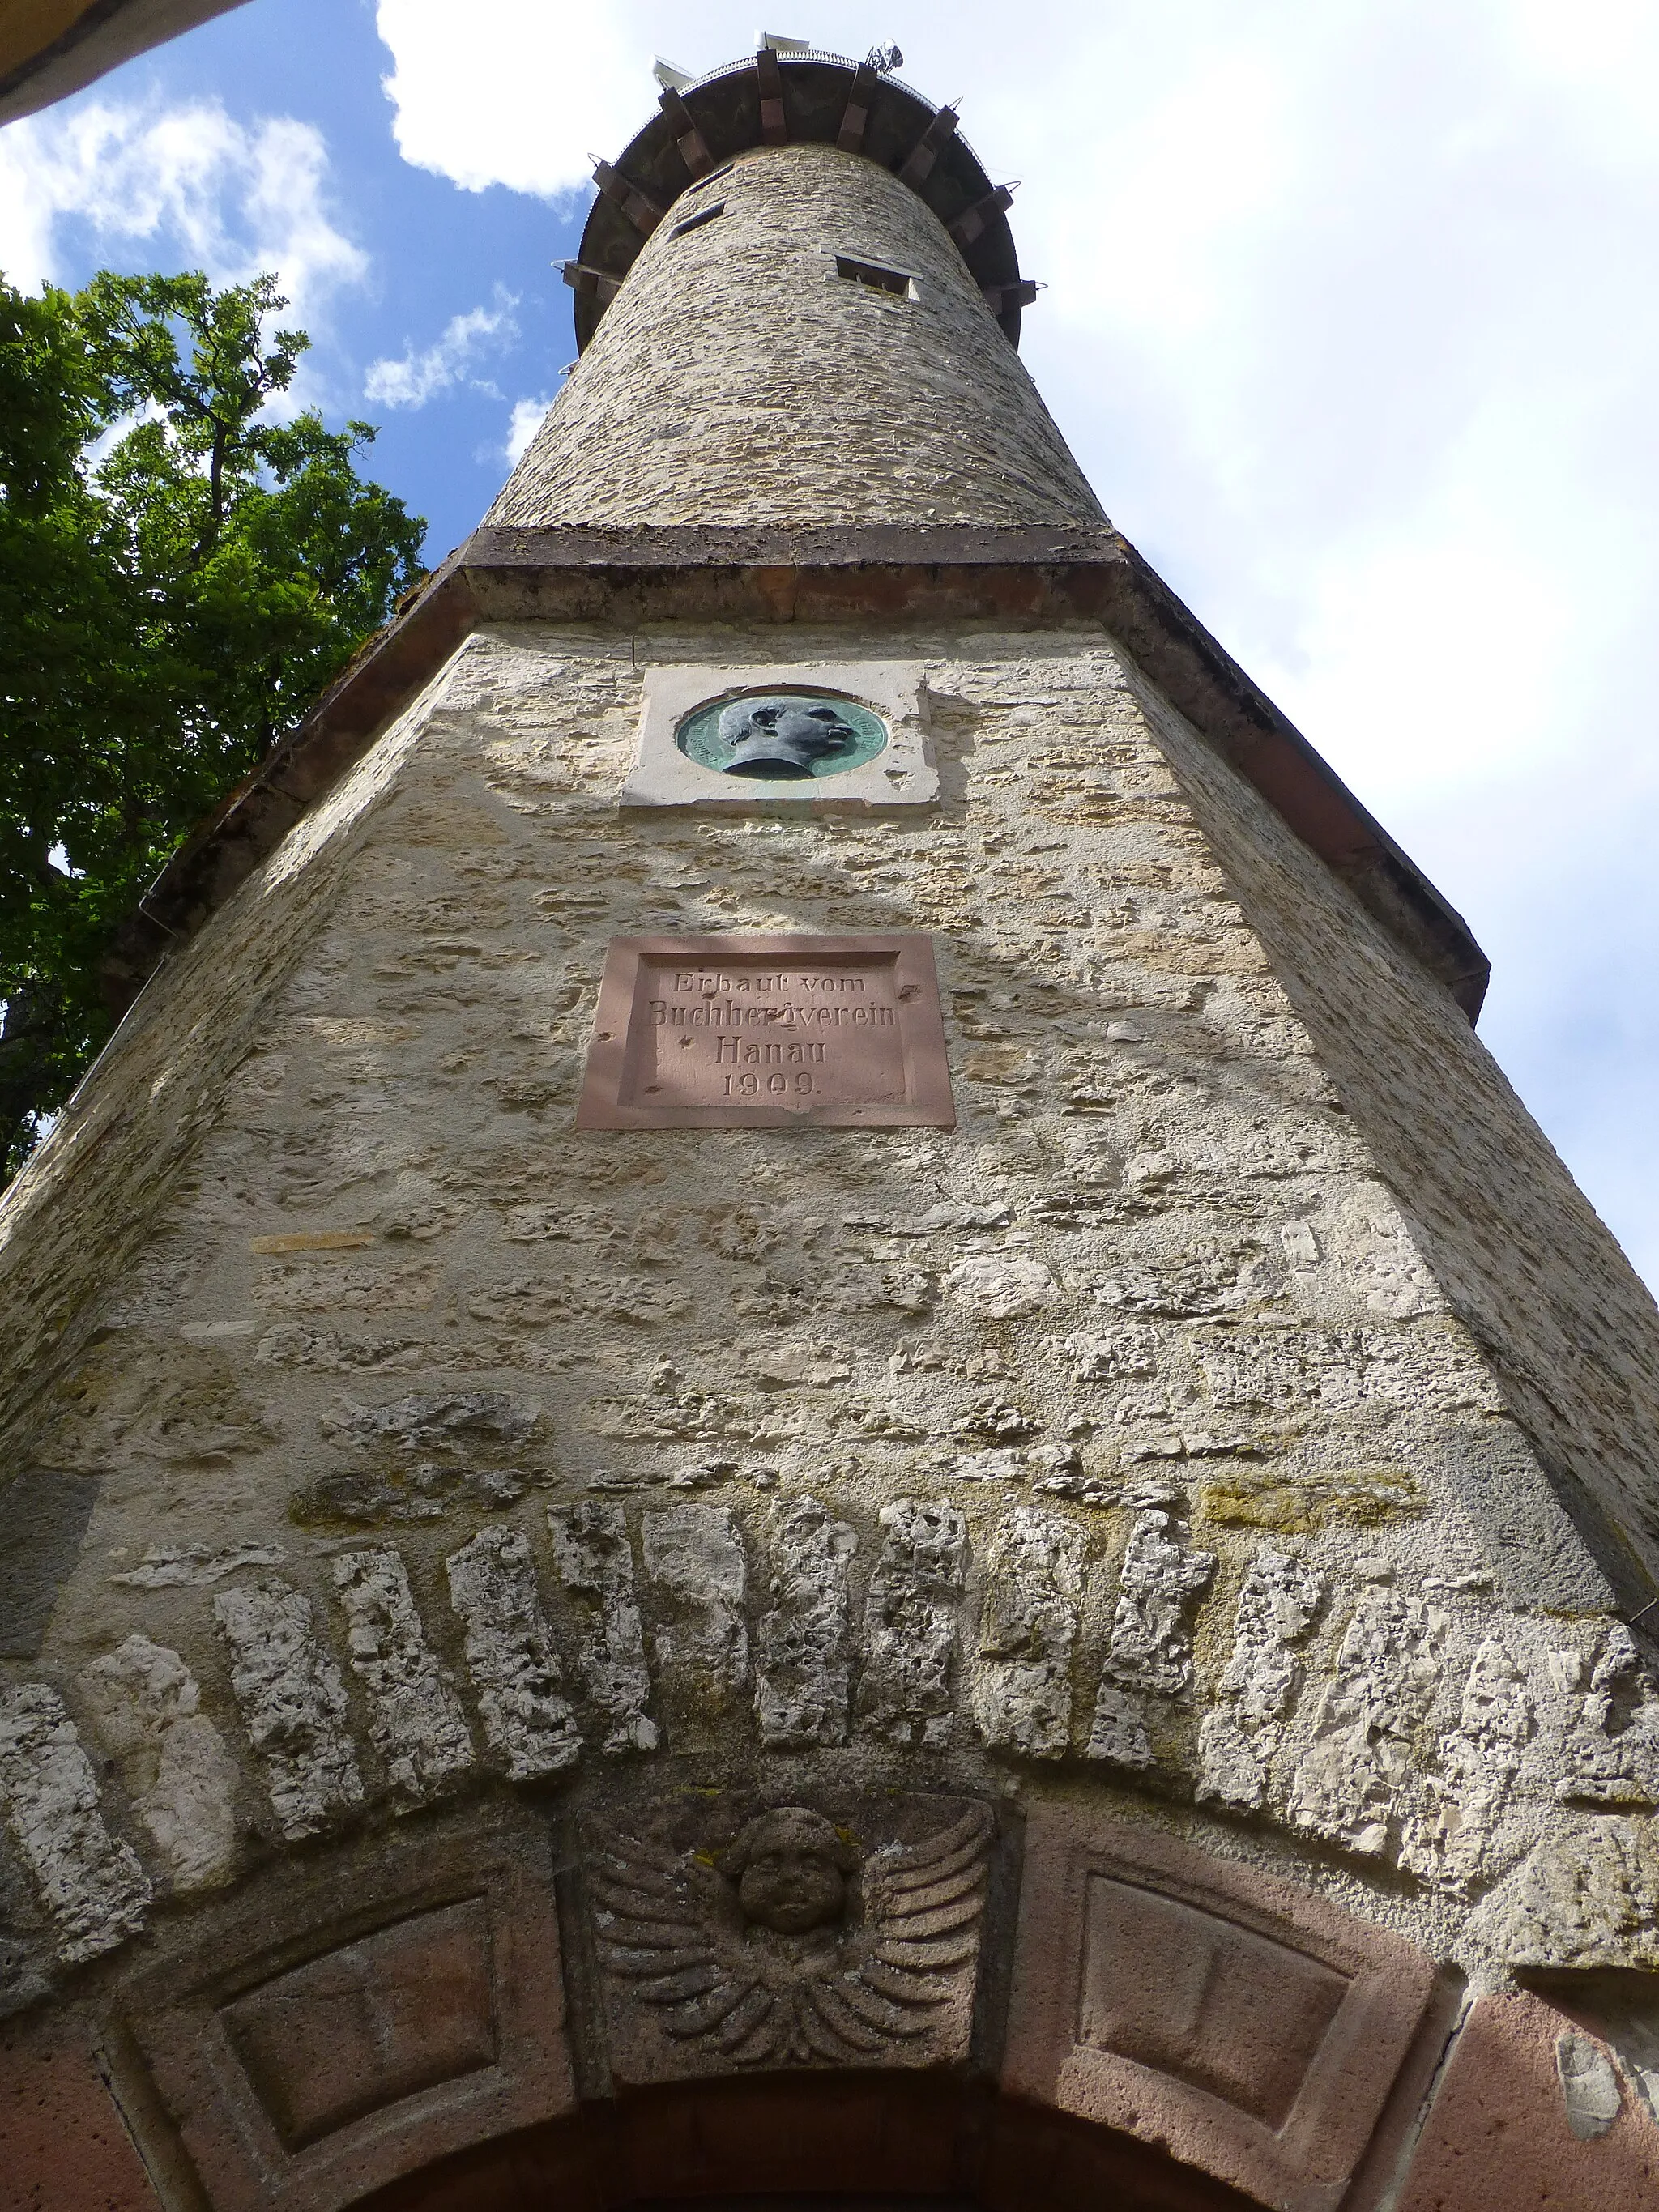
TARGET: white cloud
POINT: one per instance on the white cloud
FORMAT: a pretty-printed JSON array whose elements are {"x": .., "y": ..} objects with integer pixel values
[
  {"x": 418, "y": 377},
  {"x": 520, "y": 98},
  {"x": 526, "y": 419},
  {"x": 178, "y": 187},
  {"x": 1350, "y": 323}
]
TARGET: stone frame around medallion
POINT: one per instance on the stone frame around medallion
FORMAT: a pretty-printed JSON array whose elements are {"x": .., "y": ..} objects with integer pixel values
[{"x": 900, "y": 777}]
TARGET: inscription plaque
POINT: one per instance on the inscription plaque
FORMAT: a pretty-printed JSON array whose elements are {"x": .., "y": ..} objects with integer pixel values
[{"x": 764, "y": 1032}]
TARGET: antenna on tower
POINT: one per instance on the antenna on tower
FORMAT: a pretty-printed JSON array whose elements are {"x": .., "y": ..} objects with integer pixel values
[
  {"x": 884, "y": 59},
  {"x": 780, "y": 45},
  {"x": 670, "y": 78}
]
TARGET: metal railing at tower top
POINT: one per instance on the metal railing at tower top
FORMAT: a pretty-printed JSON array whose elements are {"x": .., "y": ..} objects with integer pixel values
[
  {"x": 774, "y": 98},
  {"x": 806, "y": 54}
]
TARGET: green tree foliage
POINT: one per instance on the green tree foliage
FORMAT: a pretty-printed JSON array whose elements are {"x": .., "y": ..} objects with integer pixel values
[{"x": 180, "y": 575}]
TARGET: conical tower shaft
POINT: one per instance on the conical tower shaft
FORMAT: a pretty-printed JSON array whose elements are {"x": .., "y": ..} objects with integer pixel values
[{"x": 798, "y": 341}]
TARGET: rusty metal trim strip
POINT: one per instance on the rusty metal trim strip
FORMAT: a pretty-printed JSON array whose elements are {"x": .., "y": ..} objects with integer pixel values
[
  {"x": 855, "y": 116},
  {"x": 687, "y": 137},
  {"x": 774, "y": 128},
  {"x": 919, "y": 165}
]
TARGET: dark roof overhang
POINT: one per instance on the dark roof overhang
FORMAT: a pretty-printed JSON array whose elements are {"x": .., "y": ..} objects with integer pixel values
[
  {"x": 647, "y": 574},
  {"x": 769, "y": 100},
  {"x": 55, "y": 47}
]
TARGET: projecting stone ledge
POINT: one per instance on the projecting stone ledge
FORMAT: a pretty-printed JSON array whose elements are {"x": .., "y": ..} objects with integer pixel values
[{"x": 804, "y": 573}]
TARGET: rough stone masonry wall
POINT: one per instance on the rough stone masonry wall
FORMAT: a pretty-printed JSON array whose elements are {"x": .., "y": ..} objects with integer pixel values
[
  {"x": 737, "y": 379},
  {"x": 1570, "y": 1328},
  {"x": 1120, "y": 1447}
]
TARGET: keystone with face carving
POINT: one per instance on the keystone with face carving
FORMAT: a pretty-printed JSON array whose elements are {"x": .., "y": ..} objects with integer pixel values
[
  {"x": 791, "y": 1869},
  {"x": 795, "y": 1948}
]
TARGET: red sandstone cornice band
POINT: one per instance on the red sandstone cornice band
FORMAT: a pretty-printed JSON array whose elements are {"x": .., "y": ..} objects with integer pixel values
[{"x": 802, "y": 573}]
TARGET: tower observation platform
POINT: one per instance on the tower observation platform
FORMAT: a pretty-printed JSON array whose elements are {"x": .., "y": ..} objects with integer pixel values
[{"x": 796, "y": 1424}]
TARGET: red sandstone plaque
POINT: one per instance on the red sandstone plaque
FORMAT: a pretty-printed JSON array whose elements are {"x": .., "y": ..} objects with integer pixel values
[{"x": 764, "y": 1032}]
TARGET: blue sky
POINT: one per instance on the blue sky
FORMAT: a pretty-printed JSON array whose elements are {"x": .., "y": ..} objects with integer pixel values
[
  {"x": 431, "y": 252},
  {"x": 1351, "y": 319}
]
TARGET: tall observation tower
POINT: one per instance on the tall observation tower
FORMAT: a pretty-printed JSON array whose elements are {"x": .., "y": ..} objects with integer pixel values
[{"x": 797, "y": 1422}]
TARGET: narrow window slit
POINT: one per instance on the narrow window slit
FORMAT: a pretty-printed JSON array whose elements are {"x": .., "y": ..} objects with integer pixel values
[
  {"x": 893, "y": 282},
  {"x": 696, "y": 221}
]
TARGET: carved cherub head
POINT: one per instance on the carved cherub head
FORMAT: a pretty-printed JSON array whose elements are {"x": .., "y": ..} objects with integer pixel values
[
  {"x": 791, "y": 1868},
  {"x": 780, "y": 740},
  {"x": 761, "y": 1961}
]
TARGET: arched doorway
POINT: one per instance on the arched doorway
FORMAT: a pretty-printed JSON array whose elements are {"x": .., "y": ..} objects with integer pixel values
[{"x": 873, "y": 2142}]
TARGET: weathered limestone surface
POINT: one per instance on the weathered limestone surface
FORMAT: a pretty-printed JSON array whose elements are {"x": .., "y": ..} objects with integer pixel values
[
  {"x": 90, "y": 1881},
  {"x": 1353, "y": 1775},
  {"x": 738, "y": 380},
  {"x": 911, "y": 1617},
  {"x": 1568, "y": 1328},
  {"x": 509, "y": 1653},
  {"x": 414, "y": 1717},
  {"x": 695, "y": 1560},
  {"x": 596, "y": 1561},
  {"x": 293, "y": 1702},
  {"x": 1148, "y": 1415},
  {"x": 1458, "y": 1838},
  {"x": 1243, "y": 1730},
  {"x": 145, "y": 1705},
  {"x": 1023, "y": 1694},
  {"x": 803, "y": 1658},
  {"x": 1150, "y": 1655}
]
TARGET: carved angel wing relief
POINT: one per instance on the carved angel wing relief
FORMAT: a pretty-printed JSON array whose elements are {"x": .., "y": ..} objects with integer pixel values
[{"x": 793, "y": 1949}]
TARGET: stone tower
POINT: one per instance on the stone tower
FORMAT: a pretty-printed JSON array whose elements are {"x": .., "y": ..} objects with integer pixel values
[{"x": 796, "y": 1418}]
